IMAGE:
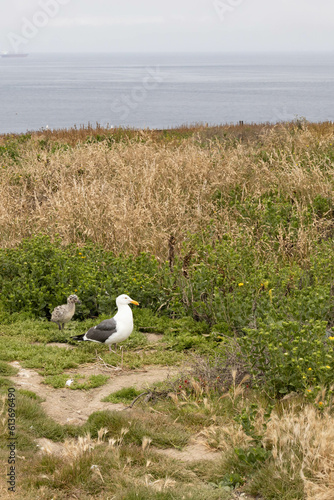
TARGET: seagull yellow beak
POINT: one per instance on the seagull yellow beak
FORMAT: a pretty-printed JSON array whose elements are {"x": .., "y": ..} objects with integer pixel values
[{"x": 135, "y": 303}]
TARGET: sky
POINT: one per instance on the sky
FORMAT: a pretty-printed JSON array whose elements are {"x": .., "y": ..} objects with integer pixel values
[{"x": 166, "y": 26}]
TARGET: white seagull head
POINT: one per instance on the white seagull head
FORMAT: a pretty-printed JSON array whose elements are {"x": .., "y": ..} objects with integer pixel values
[{"x": 124, "y": 299}]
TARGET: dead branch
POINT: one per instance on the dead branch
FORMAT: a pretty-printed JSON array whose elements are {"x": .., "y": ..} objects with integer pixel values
[{"x": 146, "y": 393}]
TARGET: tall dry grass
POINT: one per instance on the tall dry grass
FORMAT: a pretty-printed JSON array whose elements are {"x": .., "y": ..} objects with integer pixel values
[
  {"x": 131, "y": 195},
  {"x": 301, "y": 442},
  {"x": 302, "y": 445}
]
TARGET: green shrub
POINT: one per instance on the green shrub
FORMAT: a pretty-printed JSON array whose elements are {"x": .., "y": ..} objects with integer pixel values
[
  {"x": 224, "y": 285},
  {"x": 40, "y": 274},
  {"x": 289, "y": 356}
]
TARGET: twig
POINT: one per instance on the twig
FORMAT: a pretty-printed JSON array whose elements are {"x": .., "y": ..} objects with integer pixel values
[
  {"x": 148, "y": 393},
  {"x": 107, "y": 364},
  {"x": 156, "y": 411}
]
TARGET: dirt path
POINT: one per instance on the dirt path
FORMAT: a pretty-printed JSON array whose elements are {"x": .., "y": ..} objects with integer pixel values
[
  {"x": 195, "y": 450},
  {"x": 75, "y": 406},
  {"x": 68, "y": 406}
]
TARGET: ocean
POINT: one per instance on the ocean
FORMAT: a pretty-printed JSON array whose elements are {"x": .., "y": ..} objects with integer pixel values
[{"x": 163, "y": 90}]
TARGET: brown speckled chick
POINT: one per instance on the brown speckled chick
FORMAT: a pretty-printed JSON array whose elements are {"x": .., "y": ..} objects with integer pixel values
[{"x": 63, "y": 314}]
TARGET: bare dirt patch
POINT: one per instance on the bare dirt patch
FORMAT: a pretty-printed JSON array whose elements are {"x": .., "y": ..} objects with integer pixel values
[
  {"x": 69, "y": 406},
  {"x": 195, "y": 450},
  {"x": 153, "y": 337}
]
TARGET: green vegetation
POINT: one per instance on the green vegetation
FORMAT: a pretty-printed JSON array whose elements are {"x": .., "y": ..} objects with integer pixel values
[
  {"x": 7, "y": 370},
  {"x": 126, "y": 395},
  {"x": 225, "y": 237},
  {"x": 279, "y": 310}
]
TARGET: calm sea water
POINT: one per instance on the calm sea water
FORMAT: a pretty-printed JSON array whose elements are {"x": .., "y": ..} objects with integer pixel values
[{"x": 161, "y": 91}]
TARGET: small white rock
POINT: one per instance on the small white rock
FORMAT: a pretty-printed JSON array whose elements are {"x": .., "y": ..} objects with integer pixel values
[{"x": 69, "y": 382}]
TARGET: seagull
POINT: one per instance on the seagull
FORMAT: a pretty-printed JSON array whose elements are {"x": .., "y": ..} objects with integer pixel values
[
  {"x": 63, "y": 314},
  {"x": 113, "y": 330}
]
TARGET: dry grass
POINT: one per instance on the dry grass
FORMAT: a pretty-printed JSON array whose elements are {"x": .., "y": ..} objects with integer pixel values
[
  {"x": 303, "y": 445},
  {"x": 106, "y": 468},
  {"x": 226, "y": 437},
  {"x": 131, "y": 195},
  {"x": 222, "y": 373}
]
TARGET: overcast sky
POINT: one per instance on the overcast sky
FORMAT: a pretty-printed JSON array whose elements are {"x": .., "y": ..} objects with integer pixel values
[{"x": 166, "y": 25}]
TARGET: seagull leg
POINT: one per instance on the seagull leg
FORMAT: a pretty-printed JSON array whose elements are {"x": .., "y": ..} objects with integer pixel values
[{"x": 59, "y": 326}]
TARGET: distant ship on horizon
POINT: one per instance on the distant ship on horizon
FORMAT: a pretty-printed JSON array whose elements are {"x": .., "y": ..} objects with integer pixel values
[{"x": 13, "y": 54}]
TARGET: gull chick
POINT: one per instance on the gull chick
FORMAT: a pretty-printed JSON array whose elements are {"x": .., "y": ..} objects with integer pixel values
[
  {"x": 63, "y": 314},
  {"x": 113, "y": 330}
]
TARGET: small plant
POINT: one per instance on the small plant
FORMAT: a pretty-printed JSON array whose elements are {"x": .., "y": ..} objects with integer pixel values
[
  {"x": 126, "y": 396},
  {"x": 247, "y": 418},
  {"x": 229, "y": 482},
  {"x": 253, "y": 456}
]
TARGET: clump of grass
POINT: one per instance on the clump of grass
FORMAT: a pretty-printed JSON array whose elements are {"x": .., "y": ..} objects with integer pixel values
[
  {"x": 30, "y": 394},
  {"x": 301, "y": 444},
  {"x": 126, "y": 395},
  {"x": 158, "y": 428},
  {"x": 5, "y": 382},
  {"x": 7, "y": 370},
  {"x": 220, "y": 371},
  {"x": 89, "y": 467}
]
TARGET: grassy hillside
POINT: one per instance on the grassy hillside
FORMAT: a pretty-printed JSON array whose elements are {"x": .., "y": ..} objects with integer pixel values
[
  {"x": 131, "y": 191},
  {"x": 225, "y": 237}
]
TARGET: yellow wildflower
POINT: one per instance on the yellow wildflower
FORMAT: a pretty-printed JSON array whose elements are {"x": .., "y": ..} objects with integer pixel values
[{"x": 240, "y": 284}]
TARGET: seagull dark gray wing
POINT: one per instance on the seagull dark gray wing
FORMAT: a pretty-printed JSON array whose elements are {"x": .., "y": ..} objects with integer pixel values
[
  {"x": 102, "y": 331},
  {"x": 107, "y": 324}
]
